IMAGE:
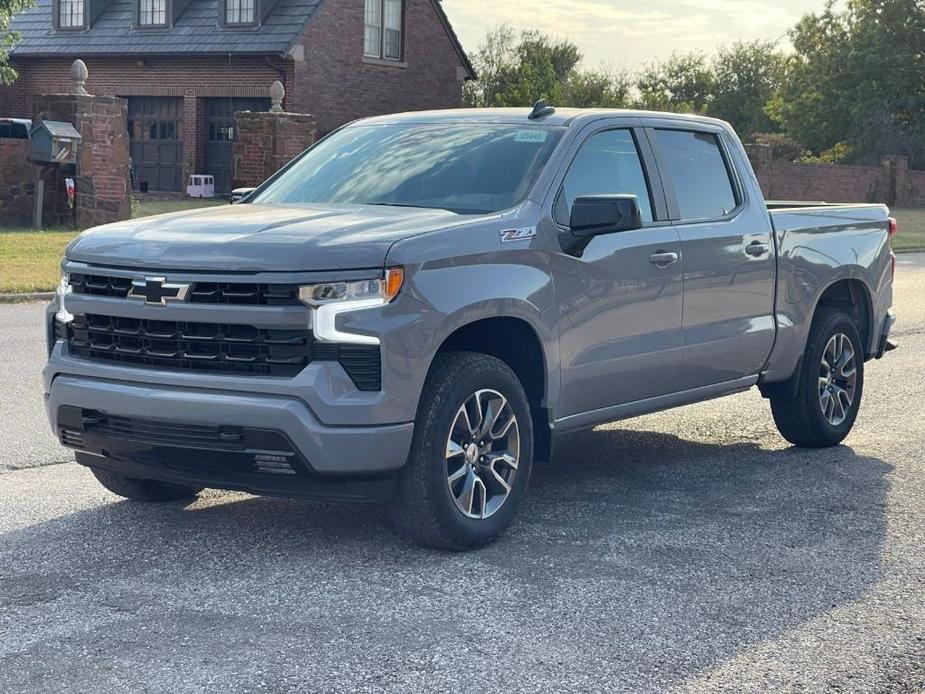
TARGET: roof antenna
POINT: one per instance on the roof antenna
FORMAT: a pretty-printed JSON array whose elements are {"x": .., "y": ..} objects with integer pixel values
[{"x": 541, "y": 109}]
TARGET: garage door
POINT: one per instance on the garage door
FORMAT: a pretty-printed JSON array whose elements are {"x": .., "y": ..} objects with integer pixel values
[
  {"x": 220, "y": 135},
  {"x": 155, "y": 126}
]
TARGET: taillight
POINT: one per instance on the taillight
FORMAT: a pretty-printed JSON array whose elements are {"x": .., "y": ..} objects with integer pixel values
[{"x": 892, "y": 228}]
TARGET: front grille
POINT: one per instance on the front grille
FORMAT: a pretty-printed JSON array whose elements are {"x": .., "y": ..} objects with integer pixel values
[
  {"x": 200, "y": 292},
  {"x": 214, "y": 347},
  {"x": 190, "y": 346}
]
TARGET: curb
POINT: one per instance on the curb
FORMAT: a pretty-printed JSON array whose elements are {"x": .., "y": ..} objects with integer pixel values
[{"x": 22, "y": 298}]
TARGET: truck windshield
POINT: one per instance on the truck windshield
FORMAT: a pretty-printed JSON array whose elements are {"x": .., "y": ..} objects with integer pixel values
[{"x": 465, "y": 168}]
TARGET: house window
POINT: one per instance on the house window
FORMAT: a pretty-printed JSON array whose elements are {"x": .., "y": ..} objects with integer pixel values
[
  {"x": 240, "y": 11},
  {"x": 383, "y": 29},
  {"x": 71, "y": 14},
  {"x": 152, "y": 13}
]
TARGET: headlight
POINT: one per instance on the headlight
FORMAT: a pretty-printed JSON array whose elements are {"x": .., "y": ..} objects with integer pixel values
[
  {"x": 383, "y": 289},
  {"x": 64, "y": 288},
  {"x": 330, "y": 299}
]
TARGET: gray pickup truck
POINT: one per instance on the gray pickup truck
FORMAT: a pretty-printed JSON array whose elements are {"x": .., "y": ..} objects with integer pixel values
[{"x": 415, "y": 308}]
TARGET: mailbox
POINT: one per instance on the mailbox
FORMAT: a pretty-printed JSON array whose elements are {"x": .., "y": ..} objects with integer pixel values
[{"x": 54, "y": 142}]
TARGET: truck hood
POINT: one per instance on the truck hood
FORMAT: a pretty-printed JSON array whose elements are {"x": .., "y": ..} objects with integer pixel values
[{"x": 255, "y": 238}]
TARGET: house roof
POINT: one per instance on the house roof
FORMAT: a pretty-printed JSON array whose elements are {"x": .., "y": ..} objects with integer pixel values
[{"x": 195, "y": 31}]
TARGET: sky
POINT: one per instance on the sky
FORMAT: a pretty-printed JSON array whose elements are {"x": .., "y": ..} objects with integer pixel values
[{"x": 629, "y": 33}]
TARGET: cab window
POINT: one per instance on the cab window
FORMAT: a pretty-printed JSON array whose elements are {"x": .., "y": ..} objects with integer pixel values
[{"x": 608, "y": 163}]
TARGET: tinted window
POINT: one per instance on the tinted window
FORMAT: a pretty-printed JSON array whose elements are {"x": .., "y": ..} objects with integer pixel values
[
  {"x": 698, "y": 172},
  {"x": 607, "y": 164},
  {"x": 14, "y": 131},
  {"x": 467, "y": 168}
]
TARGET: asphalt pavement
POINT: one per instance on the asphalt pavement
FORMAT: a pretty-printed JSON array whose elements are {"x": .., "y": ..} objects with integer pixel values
[{"x": 688, "y": 551}]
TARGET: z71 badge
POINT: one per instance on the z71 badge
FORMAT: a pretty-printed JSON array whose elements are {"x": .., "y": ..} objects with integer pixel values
[{"x": 521, "y": 234}]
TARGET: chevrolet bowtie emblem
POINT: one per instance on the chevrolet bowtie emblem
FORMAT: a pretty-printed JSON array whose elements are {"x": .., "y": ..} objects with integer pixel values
[{"x": 155, "y": 290}]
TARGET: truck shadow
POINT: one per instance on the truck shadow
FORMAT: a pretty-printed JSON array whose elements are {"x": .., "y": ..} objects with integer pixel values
[{"x": 639, "y": 557}]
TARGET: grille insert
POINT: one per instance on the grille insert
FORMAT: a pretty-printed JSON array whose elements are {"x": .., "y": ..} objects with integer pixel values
[
  {"x": 190, "y": 346},
  {"x": 200, "y": 292},
  {"x": 221, "y": 348}
]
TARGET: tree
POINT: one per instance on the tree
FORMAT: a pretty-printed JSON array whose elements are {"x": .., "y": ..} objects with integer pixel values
[
  {"x": 598, "y": 89},
  {"x": 746, "y": 76},
  {"x": 517, "y": 69},
  {"x": 681, "y": 83},
  {"x": 8, "y": 37},
  {"x": 853, "y": 67}
]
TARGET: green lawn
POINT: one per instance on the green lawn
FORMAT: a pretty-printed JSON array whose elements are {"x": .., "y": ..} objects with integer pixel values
[
  {"x": 29, "y": 259},
  {"x": 911, "y": 234}
]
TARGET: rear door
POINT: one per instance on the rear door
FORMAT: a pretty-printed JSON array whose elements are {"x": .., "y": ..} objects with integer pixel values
[
  {"x": 620, "y": 301},
  {"x": 729, "y": 262}
]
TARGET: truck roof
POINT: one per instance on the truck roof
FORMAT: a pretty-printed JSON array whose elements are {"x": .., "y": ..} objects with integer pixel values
[{"x": 521, "y": 116}]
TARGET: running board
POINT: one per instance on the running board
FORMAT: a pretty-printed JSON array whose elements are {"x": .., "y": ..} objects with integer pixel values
[{"x": 586, "y": 420}]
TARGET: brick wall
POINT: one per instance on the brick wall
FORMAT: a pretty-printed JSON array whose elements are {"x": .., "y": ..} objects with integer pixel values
[
  {"x": 891, "y": 183},
  {"x": 191, "y": 78},
  {"x": 265, "y": 142},
  {"x": 336, "y": 84}
]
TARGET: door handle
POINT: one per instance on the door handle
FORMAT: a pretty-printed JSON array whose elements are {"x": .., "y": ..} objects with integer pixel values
[
  {"x": 757, "y": 249},
  {"x": 663, "y": 259}
]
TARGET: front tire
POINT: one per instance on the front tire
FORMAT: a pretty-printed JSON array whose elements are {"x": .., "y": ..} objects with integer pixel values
[
  {"x": 471, "y": 455},
  {"x": 831, "y": 382},
  {"x": 142, "y": 490}
]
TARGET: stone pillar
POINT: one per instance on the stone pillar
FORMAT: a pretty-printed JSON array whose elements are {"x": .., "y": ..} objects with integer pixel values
[
  {"x": 896, "y": 168},
  {"x": 762, "y": 159},
  {"x": 17, "y": 184},
  {"x": 265, "y": 142},
  {"x": 102, "y": 175}
]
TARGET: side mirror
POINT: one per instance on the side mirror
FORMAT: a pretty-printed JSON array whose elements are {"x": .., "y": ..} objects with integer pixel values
[
  {"x": 238, "y": 194},
  {"x": 593, "y": 215}
]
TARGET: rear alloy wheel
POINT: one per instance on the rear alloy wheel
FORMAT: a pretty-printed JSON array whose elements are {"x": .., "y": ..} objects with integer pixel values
[
  {"x": 471, "y": 456},
  {"x": 838, "y": 378},
  {"x": 831, "y": 381}
]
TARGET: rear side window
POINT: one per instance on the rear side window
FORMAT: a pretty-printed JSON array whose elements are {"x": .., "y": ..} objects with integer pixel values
[
  {"x": 698, "y": 172},
  {"x": 607, "y": 164}
]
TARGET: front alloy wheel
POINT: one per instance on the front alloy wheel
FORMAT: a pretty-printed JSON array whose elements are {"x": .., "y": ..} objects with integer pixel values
[
  {"x": 471, "y": 455},
  {"x": 482, "y": 454}
]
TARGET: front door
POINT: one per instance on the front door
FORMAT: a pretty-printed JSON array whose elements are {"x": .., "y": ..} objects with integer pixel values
[
  {"x": 155, "y": 126},
  {"x": 728, "y": 257},
  {"x": 220, "y": 135},
  {"x": 620, "y": 303}
]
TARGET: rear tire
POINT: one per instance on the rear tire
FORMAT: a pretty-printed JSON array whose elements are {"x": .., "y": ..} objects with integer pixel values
[
  {"x": 465, "y": 479},
  {"x": 831, "y": 382},
  {"x": 143, "y": 490}
]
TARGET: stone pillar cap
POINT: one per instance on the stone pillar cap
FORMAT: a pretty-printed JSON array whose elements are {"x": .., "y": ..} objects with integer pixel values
[
  {"x": 277, "y": 93},
  {"x": 79, "y": 74}
]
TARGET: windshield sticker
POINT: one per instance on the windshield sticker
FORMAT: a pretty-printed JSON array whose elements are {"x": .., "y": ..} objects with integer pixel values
[
  {"x": 534, "y": 136},
  {"x": 521, "y": 234}
]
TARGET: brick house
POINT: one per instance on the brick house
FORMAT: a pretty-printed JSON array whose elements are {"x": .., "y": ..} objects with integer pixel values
[{"x": 186, "y": 66}]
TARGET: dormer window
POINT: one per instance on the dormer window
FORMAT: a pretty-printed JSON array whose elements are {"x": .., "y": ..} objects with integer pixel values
[
  {"x": 71, "y": 14},
  {"x": 240, "y": 12},
  {"x": 152, "y": 13},
  {"x": 384, "y": 20}
]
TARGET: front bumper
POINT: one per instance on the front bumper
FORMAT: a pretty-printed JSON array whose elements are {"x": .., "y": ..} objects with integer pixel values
[{"x": 229, "y": 440}]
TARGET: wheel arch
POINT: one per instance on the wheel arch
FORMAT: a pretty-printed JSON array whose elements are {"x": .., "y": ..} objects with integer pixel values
[{"x": 515, "y": 342}]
